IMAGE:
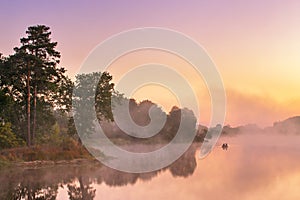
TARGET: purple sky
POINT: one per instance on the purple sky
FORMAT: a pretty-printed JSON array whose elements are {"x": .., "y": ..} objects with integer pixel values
[{"x": 255, "y": 44}]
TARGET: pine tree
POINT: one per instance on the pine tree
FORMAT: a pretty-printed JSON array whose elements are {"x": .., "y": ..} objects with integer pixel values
[
  {"x": 35, "y": 78},
  {"x": 44, "y": 75}
]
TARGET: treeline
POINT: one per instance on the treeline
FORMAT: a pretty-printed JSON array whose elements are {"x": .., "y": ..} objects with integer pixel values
[
  {"x": 139, "y": 113},
  {"x": 290, "y": 126},
  {"x": 36, "y": 93},
  {"x": 36, "y": 98}
]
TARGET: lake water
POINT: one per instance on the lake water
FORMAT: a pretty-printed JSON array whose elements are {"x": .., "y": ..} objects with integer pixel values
[{"x": 253, "y": 167}]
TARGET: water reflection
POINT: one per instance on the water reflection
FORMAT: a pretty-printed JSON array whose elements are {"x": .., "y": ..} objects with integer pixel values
[
  {"x": 43, "y": 183},
  {"x": 265, "y": 168},
  {"x": 83, "y": 191}
]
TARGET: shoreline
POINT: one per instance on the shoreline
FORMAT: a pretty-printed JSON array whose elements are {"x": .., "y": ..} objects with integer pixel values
[
  {"x": 47, "y": 163},
  {"x": 18, "y": 157}
]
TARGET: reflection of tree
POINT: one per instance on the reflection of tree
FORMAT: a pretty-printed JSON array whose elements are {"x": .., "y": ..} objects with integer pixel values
[
  {"x": 18, "y": 183},
  {"x": 82, "y": 192},
  {"x": 34, "y": 191},
  {"x": 148, "y": 176},
  {"x": 113, "y": 177},
  {"x": 185, "y": 165},
  {"x": 43, "y": 183}
]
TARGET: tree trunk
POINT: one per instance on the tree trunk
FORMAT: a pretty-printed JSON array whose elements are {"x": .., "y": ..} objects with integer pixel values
[
  {"x": 28, "y": 106},
  {"x": 83, "y": 189},
  {"x": 34, "y": 114}
]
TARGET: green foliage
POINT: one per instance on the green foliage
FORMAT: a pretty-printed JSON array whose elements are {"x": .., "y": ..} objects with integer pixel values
[
  {"x": 32, "y": 78},
  {"x": 51, "y": 136},
  {"x": 36, "y": 94},
  {"x": 72, "y": 132},
  {"x": 93, "y": 91},
  {"x": 3, "y": 163},
  {"x": 7, "y": 138},
  {"x": 12, "y": 107}
]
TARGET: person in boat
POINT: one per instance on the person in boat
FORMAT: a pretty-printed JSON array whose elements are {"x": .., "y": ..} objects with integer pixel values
[{"x": 224, "y": 146}]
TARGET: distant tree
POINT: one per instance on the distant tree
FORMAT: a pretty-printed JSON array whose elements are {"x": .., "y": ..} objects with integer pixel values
[
  {"x": 180, "y": 117},
  {"x": 173, "y": 122},
  {"x": 93, "y": 89},
  {"x": 103, "y": 97}
]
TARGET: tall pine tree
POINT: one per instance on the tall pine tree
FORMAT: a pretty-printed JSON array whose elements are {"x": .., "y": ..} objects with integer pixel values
[{"x": 35, "y": 75}]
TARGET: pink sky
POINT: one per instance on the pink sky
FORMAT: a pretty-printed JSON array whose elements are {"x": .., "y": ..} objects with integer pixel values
[{"x": 255, "y": 44}]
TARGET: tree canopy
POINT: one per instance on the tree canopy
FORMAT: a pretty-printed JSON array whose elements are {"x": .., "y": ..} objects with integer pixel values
[{"x": 35, "y": 83}]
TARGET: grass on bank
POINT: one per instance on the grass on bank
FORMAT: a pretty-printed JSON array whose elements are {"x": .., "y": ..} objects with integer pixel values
[{"x": 67, "y": 150}]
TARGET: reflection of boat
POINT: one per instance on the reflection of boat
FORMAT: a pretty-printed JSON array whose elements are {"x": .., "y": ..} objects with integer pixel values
[{"x": 224, "y": 146}]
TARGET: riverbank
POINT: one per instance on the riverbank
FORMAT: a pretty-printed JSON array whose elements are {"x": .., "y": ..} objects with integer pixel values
[
  {"x": 47, "y": 155},
  {"x": 43, "y": 155}
]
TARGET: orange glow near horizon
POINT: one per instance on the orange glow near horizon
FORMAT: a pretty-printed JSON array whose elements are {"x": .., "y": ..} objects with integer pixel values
[
  {"x": 254, "y": 44},
  {"x": 161, "y": 94},
  {"x": 247, "y": 100}
]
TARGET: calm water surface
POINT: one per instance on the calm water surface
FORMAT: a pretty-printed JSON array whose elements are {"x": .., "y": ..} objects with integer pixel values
[{"x": 260, "y": 168}]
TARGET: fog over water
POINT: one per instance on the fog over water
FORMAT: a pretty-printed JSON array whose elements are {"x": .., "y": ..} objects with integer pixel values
[{"x": 255, "y": 166}]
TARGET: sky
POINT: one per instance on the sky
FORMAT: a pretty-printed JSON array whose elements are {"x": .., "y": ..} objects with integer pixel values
[{"x": 255, "y": 45}]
